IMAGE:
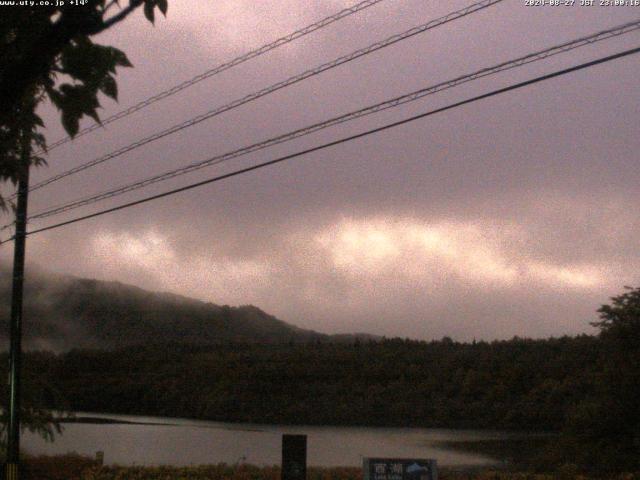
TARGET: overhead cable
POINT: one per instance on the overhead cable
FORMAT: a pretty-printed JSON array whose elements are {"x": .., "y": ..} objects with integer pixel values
[
  {"x": 273, "y": 88},
  {"x": 342, "y": 140},
  {"x": 221, "y": 68},
  {"x": 378, "y": 107}
]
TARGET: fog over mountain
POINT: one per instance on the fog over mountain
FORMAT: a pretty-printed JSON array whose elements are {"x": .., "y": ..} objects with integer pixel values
[{"x": 63, "y": 312}]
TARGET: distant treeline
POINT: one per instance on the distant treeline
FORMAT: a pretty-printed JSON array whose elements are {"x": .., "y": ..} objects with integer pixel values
[
  {"x": 585, "y": 387},
  {"x": 516, "y": 384}
]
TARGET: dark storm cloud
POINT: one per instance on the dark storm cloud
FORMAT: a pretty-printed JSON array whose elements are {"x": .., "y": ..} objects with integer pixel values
[{"x": 509, "y": 216}]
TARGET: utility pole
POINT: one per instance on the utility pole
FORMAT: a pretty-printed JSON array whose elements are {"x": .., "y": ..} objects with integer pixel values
[{"x": 15, "y": 349}]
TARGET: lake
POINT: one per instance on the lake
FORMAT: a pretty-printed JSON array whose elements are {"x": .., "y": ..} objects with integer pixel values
[{"x": 170, "y": 441}]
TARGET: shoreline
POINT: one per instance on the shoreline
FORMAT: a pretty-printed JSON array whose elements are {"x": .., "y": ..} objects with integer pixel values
[
  {"x": 76, "y": 467},
  {"x": 107, "y": 417}
]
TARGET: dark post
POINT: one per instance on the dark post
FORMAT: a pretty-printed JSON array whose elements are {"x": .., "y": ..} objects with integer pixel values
[
  {"x": 294, "y": 457},
  {"x": 15, "y": 349}
]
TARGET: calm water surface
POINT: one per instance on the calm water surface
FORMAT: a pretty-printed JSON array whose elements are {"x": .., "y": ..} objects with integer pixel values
[{"x": 170, "y": 441}]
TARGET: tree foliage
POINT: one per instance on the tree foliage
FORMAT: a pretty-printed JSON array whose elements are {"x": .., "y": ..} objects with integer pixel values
[
  {"x": 47, "y": 52},
  {"x": 603, "y": 430},
  {"x": 516, "y": 384},
  {"x": 42, "y": 406},
  {"x": 586, "y": 387}
]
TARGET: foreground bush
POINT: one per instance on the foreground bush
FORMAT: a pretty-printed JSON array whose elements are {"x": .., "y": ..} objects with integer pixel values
[
  {"x": 62, "y": 467},
  {"x": 213, "y": 472},
  {"x": 246, "y": 472},
  {"x": 75, "y": 467}
]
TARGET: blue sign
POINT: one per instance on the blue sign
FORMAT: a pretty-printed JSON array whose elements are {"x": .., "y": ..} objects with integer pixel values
[{"x": 400, "y": 469}]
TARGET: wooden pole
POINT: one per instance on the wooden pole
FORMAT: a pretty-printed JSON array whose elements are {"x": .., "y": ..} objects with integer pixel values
[{"x": 15, "y": 349}]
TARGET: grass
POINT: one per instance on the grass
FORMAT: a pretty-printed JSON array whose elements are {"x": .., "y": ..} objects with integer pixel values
[
  {"x": 517, "y": 453},
  {"x": 62, "y": 467},
  {"x": 76, "y": 467}
]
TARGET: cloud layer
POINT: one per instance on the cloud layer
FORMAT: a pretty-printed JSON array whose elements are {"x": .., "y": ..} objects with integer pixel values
[{"x": 513, "y": 216}]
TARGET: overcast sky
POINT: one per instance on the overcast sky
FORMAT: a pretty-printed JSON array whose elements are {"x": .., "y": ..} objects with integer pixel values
[{"x": 511, "y": 216}]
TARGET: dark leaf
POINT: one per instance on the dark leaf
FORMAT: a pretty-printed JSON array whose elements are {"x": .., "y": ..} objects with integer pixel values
[
  {"x": 38, "y": 121},
  {"x": 55, "y": 97},
  {"x": 38, "y": 161},
  {"x": 76, "y": 101},
  {"x": 148, "y": 10},
  {"x": 78, "y": 59},
  {"x": 40, "y": 141},
  {"x": 163, "y": 5},
  {"x": 121, "y": 58},
  {"x": 70, "y": 122},
  {"x": 94, "y": 114},
  {"x": 110, "y": 87}
]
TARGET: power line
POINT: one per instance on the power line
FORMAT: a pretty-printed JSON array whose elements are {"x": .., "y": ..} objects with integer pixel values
[
  {"x": 394, "y": 102},
  {"x": 345, "y": 139},
  {"x": 221, "y": 68},
  {"x": 275, "y": 87}
]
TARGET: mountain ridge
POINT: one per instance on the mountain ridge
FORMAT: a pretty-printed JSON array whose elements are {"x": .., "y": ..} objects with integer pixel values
[{"x": 62, "y": 312}]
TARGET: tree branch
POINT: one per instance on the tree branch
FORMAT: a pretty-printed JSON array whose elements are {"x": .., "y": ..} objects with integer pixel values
[
  {"x": 124, "y": 13},
  {"x": 109, "y": 5}
]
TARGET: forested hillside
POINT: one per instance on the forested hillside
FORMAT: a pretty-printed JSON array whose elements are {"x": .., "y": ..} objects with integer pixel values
[
  {"x": 63, "y": 312},
  {"x": 519, "y": 384},
  {"x": 584, "y": 387},
  {"x": 192, "y": 359}
]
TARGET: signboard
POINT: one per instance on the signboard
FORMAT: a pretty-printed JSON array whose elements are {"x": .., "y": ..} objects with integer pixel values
[
  {"x": 294, "y": 457},
  {"x": 400, "y": 469}
]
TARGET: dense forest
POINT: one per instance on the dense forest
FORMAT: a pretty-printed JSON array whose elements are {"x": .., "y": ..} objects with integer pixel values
[
  {"x": 519, "y": 384},
  {"x": 584, "y": 388}
]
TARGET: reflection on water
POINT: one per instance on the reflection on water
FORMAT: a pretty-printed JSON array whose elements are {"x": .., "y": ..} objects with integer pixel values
[{"x": 157, "y": 441}]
